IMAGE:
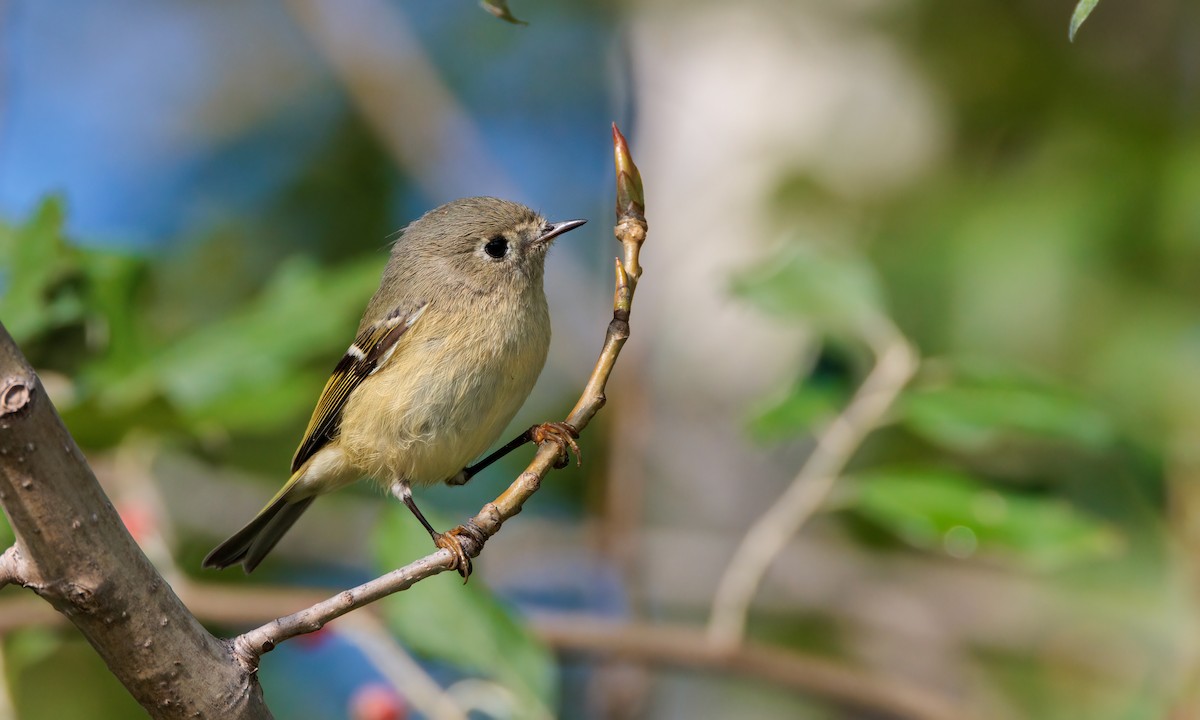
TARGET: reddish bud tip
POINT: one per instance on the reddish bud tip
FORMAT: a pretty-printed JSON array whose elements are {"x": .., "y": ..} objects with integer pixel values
[{"x": 630, "y": 200}]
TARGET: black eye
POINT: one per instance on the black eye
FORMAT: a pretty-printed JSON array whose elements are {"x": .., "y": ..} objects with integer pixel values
[{"x": 497, "y": 247}]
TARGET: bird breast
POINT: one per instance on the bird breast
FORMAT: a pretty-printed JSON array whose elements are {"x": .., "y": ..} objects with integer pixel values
[{"x": 446, "y": 394}]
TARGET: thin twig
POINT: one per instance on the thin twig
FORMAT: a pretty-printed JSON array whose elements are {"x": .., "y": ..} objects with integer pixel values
[
  {"x": 630, "y": 231},
  {"x": 895, "y": 364},
  {"x": 251, "y": 645}
]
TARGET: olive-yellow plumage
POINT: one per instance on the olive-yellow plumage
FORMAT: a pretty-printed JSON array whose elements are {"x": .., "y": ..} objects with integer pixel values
[{"x": 448, "y": 349}]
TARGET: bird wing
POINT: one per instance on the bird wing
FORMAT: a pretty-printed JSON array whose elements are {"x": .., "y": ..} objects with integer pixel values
[{"x": 370, "y": 351}]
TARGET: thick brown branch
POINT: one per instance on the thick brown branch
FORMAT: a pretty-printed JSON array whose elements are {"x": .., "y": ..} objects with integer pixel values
[
  {"x": 73, "y": 550},
  {"x": 630, "y": 231}
]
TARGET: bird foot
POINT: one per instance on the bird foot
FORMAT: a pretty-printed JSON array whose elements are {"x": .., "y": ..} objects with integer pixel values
[
  {"x": 561, "y": 434},
  {"x": 449, "y": 540}
]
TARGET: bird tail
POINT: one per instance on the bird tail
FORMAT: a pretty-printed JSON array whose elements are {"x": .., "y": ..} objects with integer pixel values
[{"x": 251, "y": 544}]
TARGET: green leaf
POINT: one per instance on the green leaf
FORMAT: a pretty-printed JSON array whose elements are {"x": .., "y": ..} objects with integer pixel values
[
  {"x": 1082, "y": 9},
  {"x": 807, "y": 404},
  {"x": 959, "y": 516},
  {"x": 32, "y": 645},
  {"x": 6, "y": 532},
  {"x": 47, "y": 284},
  {"x": 241, "y": 371},
  {"x": 974, "y": 413},
  {"x": 836, "y": 293},
  {"x": 33, "y": 258},
  {"x": 114, "y": 325},
  {"x": 462, "y": 625}
]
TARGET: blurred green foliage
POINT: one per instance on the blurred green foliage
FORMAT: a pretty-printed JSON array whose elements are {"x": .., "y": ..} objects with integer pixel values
[
  {"x": 464, "y": 626},
  {"x": 1082, "y": 9},
  {"x": 1045, "y": 264},
  {"x": 36, "y": 662},
  {"x": 953, "y": 513},
  {"x": 834, "y": 292},
  {"x": 69, "y": 309},
  {"x": 977, "y": 411},
  {"x": 806, "y": 405}
]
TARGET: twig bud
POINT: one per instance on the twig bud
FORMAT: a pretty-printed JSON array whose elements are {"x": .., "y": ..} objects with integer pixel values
[{"x": 630, "y": 200}]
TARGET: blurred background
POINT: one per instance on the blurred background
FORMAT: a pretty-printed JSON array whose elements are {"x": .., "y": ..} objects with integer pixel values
[{"x": 920, "y": 307}]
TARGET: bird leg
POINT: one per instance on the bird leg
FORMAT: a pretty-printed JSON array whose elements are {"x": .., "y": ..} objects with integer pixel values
[
  {"x": 560, "y": 433},
  {"x": 447, "y": 540}
]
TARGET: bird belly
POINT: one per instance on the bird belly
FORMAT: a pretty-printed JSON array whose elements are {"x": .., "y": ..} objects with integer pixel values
[{"x": 438, "y": 405}]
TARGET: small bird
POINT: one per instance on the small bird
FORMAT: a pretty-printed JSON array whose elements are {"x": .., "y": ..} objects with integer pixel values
[{"x": 448, "y": 349}]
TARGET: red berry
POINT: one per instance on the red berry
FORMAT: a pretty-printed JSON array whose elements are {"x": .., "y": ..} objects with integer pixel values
[
  {"x": 138, "y": 518},
  {"x": 376, "y": 701}
]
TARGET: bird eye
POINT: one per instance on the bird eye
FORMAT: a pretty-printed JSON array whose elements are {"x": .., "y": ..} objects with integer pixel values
[{"x": 497, "y": 247}]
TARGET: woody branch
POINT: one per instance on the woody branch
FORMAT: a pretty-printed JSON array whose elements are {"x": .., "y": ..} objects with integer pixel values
[{"x": 73, "y": 550}]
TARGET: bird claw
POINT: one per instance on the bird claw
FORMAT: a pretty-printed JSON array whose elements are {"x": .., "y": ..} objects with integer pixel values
[
  {"x": 561, "y": 434},
  {"x": 449, "y": 540}
]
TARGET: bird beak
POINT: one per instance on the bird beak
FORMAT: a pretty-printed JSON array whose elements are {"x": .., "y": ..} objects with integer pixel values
[{"x": 553, "y": 230}]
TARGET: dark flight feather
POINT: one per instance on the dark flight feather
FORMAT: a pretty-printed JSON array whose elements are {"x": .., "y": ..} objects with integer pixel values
[{"x": 371, "y": 348}]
